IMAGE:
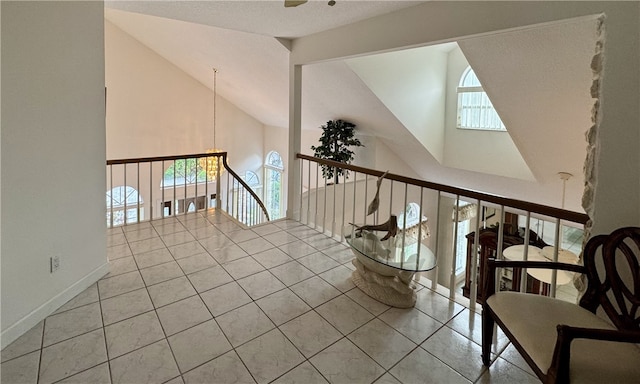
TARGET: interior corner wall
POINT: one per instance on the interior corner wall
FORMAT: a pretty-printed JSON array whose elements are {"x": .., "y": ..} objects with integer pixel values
[{"x": 53, "y": 157}]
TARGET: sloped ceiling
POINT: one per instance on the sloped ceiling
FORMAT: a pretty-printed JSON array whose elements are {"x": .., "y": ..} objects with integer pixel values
[{"x": 542, "y": 91}]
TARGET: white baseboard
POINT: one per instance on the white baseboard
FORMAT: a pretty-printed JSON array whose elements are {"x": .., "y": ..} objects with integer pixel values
[{"x": 21, "y": 326}]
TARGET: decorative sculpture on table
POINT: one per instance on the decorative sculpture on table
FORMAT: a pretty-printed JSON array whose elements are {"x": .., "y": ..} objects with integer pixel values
[{"x": 375, "y": 203}]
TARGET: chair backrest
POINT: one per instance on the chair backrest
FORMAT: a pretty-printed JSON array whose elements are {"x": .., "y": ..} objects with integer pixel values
[{"x": 613, "y": 276}]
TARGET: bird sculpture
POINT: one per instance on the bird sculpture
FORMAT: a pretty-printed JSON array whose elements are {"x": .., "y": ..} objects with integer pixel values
[{"x": 375, "y": 203}]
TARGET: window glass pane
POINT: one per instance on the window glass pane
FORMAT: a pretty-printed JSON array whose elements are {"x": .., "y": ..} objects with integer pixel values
[{"x": 475, "y": 110}]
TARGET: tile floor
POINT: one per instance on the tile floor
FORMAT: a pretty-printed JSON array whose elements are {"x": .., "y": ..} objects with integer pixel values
[{"x": 198, "y": 299}]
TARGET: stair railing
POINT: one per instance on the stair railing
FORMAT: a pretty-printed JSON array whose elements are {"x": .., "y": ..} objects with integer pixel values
[{"x": 149, "y": 188}]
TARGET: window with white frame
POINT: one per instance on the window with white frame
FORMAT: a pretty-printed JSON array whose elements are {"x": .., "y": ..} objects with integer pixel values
[
  {"x": 273, "y": 175},
  {"x": 121, "y": 198},
  {"x": 475, "y": 110}
]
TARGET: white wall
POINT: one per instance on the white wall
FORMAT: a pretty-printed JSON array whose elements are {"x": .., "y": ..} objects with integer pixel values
[
  {"x": 53, "y": 154},
  {"x": 474, "y": 150},
  {"x": 619, "y": 133},
  {"x": 156, "y": 109},
  {"x": 411, "y": 84}
]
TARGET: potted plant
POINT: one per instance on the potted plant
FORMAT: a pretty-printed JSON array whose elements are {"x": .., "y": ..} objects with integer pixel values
[{"x": 337, "y": 137}]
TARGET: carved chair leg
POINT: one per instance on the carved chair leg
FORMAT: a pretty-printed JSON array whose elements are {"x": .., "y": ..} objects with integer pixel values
[{"x": 487, "y": 336}]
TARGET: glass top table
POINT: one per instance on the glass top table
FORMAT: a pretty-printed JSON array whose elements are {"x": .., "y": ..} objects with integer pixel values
[{"x": 392, "y": 254}]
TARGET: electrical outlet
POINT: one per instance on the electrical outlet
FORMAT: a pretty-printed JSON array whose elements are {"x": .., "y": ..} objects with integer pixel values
[{"x": 54, "y": 262}]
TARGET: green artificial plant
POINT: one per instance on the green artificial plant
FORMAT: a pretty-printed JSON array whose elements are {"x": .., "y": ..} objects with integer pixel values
[{"x": 337, "y": 137}]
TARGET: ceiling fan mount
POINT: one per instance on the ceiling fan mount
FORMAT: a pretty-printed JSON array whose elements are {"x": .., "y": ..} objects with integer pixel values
[{"x": 295, "y": 3}]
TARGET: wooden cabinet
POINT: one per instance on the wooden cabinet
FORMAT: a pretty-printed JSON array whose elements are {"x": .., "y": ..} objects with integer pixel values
[{"x": 488, "y": 239}]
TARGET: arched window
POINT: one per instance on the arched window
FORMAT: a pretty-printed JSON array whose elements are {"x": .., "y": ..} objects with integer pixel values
[
  {"x": 119, "y": 199},
  {"x": 416, "y": 224},
  {"x": 274, "y": 169},
  {"x": 183, "y": 171},
  {"x": 475, "y": 110}
]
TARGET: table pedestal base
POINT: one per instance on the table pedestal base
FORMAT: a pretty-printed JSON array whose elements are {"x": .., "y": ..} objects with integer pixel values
[{"x": 390, "y": 290}]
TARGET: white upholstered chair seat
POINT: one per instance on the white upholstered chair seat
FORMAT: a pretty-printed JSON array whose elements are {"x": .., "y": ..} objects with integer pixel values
[{"x": 533, "y": 320}]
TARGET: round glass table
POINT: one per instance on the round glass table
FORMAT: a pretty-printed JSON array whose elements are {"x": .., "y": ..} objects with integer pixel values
[{"x": 385, "y": 269}]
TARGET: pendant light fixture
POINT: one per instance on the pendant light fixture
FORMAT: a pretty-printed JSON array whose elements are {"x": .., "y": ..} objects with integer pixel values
[{"x": 213, "y": 165}]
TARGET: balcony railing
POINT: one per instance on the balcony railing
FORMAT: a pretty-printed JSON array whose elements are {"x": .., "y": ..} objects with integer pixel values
[
  {"x": 142, "y": 189},
  {"x": 461, "y": 227}
]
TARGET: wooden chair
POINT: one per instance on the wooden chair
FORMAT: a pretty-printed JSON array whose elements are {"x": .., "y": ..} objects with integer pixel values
[{"x": 564, "y": 342}]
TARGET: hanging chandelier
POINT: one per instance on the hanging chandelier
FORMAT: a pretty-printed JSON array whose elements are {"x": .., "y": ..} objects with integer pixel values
[{"x": 213, "y": 164}]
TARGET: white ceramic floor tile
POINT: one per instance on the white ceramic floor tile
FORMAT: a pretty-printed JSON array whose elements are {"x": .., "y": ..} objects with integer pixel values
[
  {"x": 303, "y": 373},
  {"x": 125, "y": 306},
  {"x": 140, "y": 234},
  {"x": 242, "y": 235},
  {"x": 72, "y": 356},
  {"x": 89, "y": 295},
  {"x": 28, "y": 342},
  {"x": 116, "y": 239},
  {"x": 280, "y": 238},
  {"x": 120, "y": 284},
  {"x": 216, "y": 243},
  {"x": 244, "y": 323},
  {"x": 72, "y": 323},
  {"x": 205, "y": 232},
  {"x": 196, "y": 263},
  {"x": 255, "y": 245},
  {"x": 297, "y": 249},
  {"x": 339, "y": 277},
  {"x": 315, "y": 291},
  {"x": 144, "y": 246},
  {"x": 282, "y": 306},
  {"x": 171, "y": 291},
  {"x": 227, "y": 368},
  {"x": 266, "y": 229},
  {"x": 310, "y": 333},
  {"x": 512, "y": 355},
  {"x": 343, "y": 362},
  {"x": 149, "y": 259},
  {"x": 228, "y": 253},
  {"x": 469, "y": 324},
  {"x": 320, "y": 241},
  {"x": 456, "y": 351},
  {"x": 97, "y": 375},
  {"x": 23, "y": 369},
  {"x": 151, "y": 364},
  {"x": 420, "y": 365},
  {"x": 344, "y": 314},
  {"x": 120, "y": 266},
  {"x": 167, "y": 227},
  {"x": 242, "y": 267},
  {"x": 437, "y": 306},
  {"x": 176, "y": 238},
  {"x": 225, "y": 298},
  {"x": 187, "y": 249},
  {"x": 118, "y": 251},
  {"x": 382, "y": 343},
  {"x": 136, "y": 332},
  {"x": 340, "y": 253},
  {"x": 272, "y": 258},
  {"x": 198, "y": 344},
  {"x": 209, "y": 278},
  {"x": 260, "y": 284},
  {"x": 501, "y": 371},
  {"x": 183, "y": 314},
  {"x": 369, "y": 303},
  {"x": 161, "y": 272},
  {"x": 412, "y": 323},
  {"x": 269, "y": 356},
  {"x": 318, "y": 262},
  {"x": 291, "y": 273},
  {"x": 387, "y": 378}
]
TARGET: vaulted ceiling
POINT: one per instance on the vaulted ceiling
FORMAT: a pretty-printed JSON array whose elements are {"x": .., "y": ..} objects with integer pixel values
[{"x": 537, "y": 78}]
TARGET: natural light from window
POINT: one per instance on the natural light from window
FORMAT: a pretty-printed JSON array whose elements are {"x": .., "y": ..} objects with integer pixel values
[{"x": 475, "y": 110}]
